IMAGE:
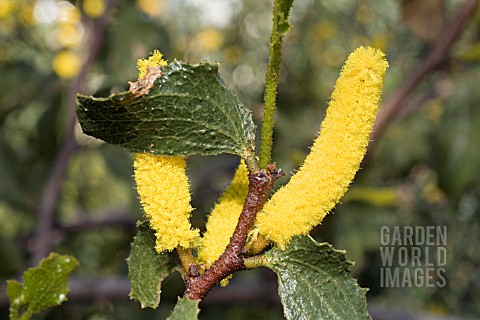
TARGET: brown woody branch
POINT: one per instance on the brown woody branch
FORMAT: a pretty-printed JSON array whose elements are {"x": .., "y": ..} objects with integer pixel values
[
  {"x": 437, "y": 58},
  {"x": 232, "y": 258}
]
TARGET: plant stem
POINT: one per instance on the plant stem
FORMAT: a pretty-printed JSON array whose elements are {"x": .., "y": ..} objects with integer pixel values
[
  {"x": 256, "y": 245},
  {"x": 255, "y": 262},
  {"x": 231, "y": 259},
  {"x": 281, "y": 9},
  {"x": 251, "y": 162},
  {"x": 188, "y": 261}
]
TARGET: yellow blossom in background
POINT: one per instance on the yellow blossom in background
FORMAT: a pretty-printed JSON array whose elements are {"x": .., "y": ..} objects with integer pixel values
[
  {"x": 26, "y": 13},
  {"x": 68, "y": 13},
  {"x": 209, "y": 40},
  {"x": 380, "y": 41},
  {"x": 324, "y": 30},
  {"x": 224, "y": 217},
  {"x": 435, "y": 111},
  {"x": 381, "y": 197},
  {"x": 334, "y": 55},
  {"x": 165, "y": 195},
  {"x": 69, "y": 34},
  {"x": 365, "y": 14},
  {"x": 66, "y": 64},
  {"x": 151, "y": 7},
  {"x": 233, "y": 54},
  {"x": 7, "y": 7},
  {"x": 93, "y": 8},
  {"x": 335, "y": 155}
]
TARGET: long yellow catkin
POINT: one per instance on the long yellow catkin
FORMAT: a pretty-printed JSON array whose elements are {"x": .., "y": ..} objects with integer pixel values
[
  {"x": 162, "y": 185},
  {"x": 224, "y": 217},
  {"x": 335, "y": 155}
]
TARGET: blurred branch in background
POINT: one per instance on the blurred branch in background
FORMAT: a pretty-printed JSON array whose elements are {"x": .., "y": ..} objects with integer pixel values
[
  {"x": 263, "y": 293},
  {"x": 41, "y": 243},
  {"x": 438, "y": 57}
]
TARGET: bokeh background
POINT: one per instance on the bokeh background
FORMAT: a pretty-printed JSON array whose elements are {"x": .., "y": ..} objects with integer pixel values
[{"x": 63, "y": 191}]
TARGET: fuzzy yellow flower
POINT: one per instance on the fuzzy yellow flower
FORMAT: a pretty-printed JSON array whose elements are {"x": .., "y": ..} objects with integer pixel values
[
  {"x": 209, "y": 40},
  {"x": 154, "y": 60},
  {"x": 335, "y": 155},
  {"x": 163, "y": 187},
  {"x": 224, "y": 217},
  {"x": 165, "y": 195}
]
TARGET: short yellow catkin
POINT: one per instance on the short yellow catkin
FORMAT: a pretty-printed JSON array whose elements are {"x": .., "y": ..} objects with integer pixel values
[
  {"x": 165, "y": 195},
  {"x": 224, "y": 217},
  {"x": 162, "y": 185},
  {"x": 335, "y": 155},
  {"x": 154, "y": 60}
]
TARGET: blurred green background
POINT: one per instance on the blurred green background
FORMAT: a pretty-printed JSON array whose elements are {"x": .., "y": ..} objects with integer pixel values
[{"x": 63, "y": 191}]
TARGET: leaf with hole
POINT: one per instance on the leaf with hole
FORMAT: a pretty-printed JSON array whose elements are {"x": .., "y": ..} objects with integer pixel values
[{"x": 188, "y": 111}]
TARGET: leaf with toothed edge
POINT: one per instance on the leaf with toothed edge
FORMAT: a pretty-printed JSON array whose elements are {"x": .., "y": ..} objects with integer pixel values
[
  {"x": 185, "y": 309},
  {"x": 147, "y": 268},
  {"x": 314, "y": 282},
  {"x": 188, "y": 111},
  {"x": 44, "y": 286}
]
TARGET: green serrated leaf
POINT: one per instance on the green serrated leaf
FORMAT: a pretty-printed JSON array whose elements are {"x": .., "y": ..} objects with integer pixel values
[
  {"x": 43, "y": 286},
  {"x": 314, "y": 282},
  {"x": 188, "y": 111},
  {"x": 185, "y": 309},
  {"x": 147, "y": 268},
  {"x": 14, "y": 293}
]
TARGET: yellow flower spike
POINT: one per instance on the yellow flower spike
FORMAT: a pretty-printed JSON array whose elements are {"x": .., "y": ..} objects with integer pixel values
[
  {"x": 224, "y": 217},
  {"x": 164, "y": 193},
  {"x": 335, "y": 155},
  {"x": 163, "y": 187}
]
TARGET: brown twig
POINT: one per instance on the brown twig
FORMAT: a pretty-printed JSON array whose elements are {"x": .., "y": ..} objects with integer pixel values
[
  {"x": 45, "y": 212},
  {"x": 231, "y": 259},
  {"x": 437, "y": 58}
]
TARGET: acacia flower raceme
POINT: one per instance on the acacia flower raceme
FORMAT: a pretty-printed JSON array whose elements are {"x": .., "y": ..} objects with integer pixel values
[
  {"x": 224, "y": 217},
  {"x": 335, "y": 155},
  {"x": 164, "y": 192},
  {"x": 162, "y": 185}
]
